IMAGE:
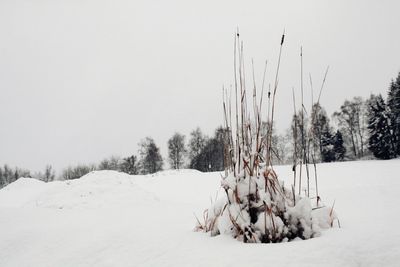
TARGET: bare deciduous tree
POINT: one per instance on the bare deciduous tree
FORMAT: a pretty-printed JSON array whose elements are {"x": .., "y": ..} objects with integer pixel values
[
  {"x": 49, "y": 174},
  {"x": 150, "y": 157},
  {"x": 351, "y": 119},
  {"x": 176, "y": 150},
  {"x": 129, "y": 165}
]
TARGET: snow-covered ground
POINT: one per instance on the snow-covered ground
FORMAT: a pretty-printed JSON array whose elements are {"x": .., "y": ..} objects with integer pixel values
[{"x": 113, "y": 219}]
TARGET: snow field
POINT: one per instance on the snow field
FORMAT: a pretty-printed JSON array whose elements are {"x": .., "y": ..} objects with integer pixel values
[{"x": 113, "y": 219}]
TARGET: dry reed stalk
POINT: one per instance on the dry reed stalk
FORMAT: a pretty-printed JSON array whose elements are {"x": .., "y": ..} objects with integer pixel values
[
  {"x": 269, "y": 163},
  {"x": 295, "y": 140},
  {"x": 312, "y": 138},
  {"x": 303, "y": 140},
  {"x": 323, "y": 83},
  {"x": 331, "y": 213},
  {"x": 312, "y": 130},
  {"x": 238, "y": 152}
]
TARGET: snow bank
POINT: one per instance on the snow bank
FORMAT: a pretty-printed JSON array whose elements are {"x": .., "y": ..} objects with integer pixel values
[
  {"x": 23, "y": 191},
  {"x": 94, "y": 190},
  {"x": 119, "y": 228}
]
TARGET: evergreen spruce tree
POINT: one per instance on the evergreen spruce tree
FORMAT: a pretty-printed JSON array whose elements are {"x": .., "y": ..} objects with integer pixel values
[
  {"x": 2, "y": 180},
  {"x": 338, "y": 146},
  {"x": 327, "y": 151},
  {"x": 393, "y": 104},
  {"x": 380, "y": 140}
]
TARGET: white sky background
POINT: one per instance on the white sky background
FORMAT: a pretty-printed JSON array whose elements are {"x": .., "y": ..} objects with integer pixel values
[{"x": 83, "y": 80}]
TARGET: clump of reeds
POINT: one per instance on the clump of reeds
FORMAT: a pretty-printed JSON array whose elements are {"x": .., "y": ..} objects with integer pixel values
[{"x": 256, "y": 207}]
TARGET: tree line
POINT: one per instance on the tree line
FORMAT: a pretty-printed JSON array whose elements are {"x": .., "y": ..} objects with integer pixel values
[
  {"x": 9, "y": 174},
  {"x": 202, "y": 153},
  {"x": 363, "y": 129}
]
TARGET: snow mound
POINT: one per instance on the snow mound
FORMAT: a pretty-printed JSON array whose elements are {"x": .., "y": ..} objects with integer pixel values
[
  {"x": 174, "y": 172},
  {"x": 147, "y": 232},
  {"x": 96, "y": 189},
  {"x": 21, "y": 192}
]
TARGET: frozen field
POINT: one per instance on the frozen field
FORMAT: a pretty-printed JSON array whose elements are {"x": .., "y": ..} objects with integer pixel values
[{"x": 113, "y": 219}]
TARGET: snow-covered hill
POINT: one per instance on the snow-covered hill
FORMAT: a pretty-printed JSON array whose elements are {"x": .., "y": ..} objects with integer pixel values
[{"x": 108, "y": 218}]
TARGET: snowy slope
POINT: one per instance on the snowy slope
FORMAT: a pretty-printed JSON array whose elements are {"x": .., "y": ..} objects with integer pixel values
[{"x": 113, "y": 219}]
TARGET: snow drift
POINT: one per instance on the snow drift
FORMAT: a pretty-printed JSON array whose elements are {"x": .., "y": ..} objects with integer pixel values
[{"x": 148, "y": 221}]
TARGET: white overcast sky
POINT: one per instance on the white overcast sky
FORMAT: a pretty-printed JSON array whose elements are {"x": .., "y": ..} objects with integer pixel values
[{"x": 82, "y": 80}]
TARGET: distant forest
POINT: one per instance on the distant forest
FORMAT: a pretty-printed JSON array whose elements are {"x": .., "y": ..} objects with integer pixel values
[{"x": 366, "y": 129}]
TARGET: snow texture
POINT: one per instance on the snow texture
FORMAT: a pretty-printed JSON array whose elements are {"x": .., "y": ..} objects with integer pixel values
[
  {"x": 108, "y": 218},
  {"x": 259, "y": 209}
]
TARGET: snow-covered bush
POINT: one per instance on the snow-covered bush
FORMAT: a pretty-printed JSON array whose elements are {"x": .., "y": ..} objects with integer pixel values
[
  {"x": 255, "y": 206},
  {"x": 259, "y": 209}
]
